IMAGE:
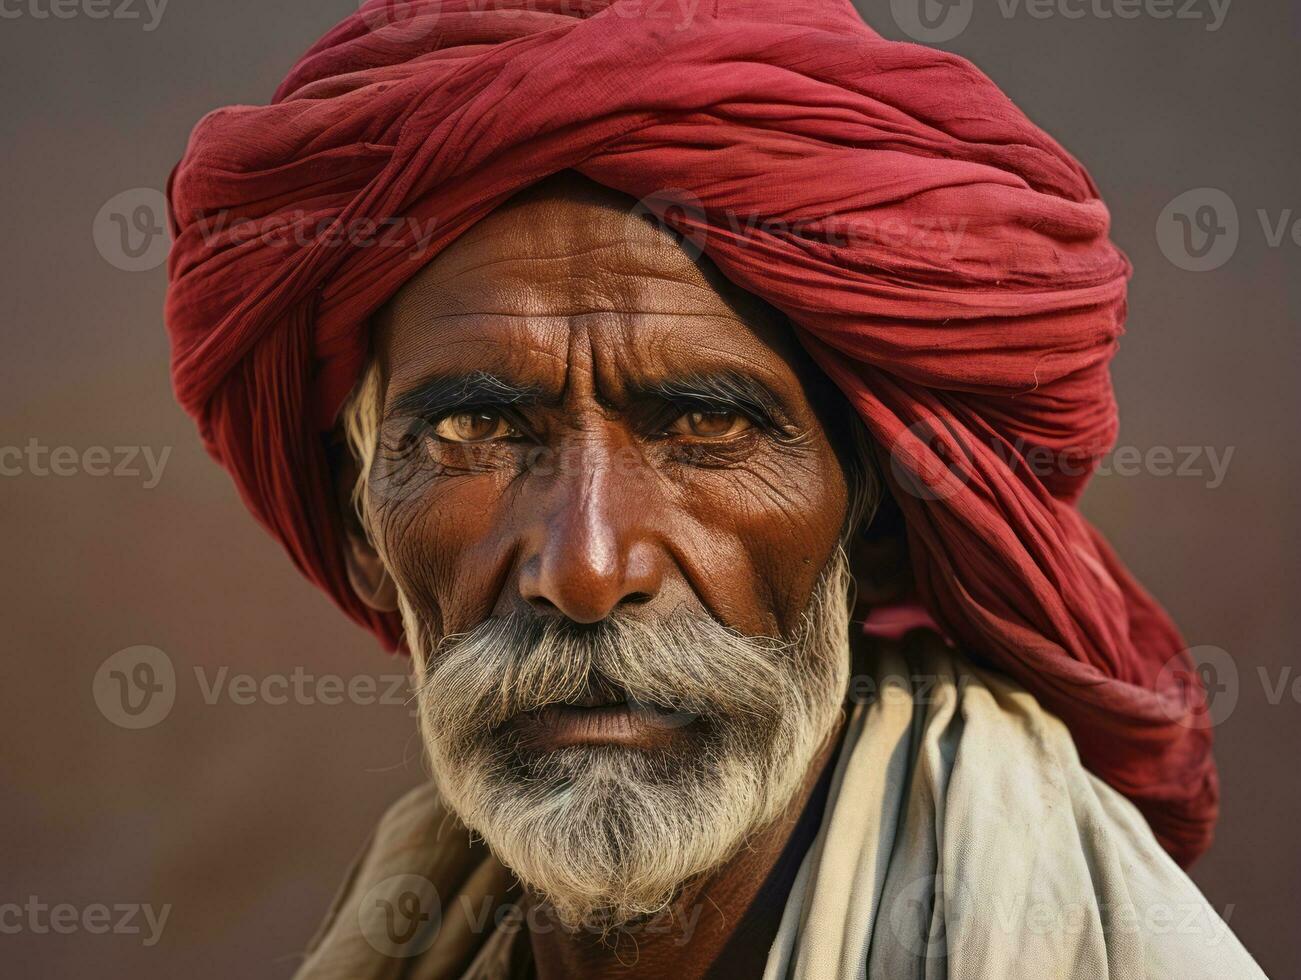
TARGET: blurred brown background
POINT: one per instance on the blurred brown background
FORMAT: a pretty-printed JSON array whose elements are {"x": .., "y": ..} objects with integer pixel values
[{"x": 242, "y": 817}]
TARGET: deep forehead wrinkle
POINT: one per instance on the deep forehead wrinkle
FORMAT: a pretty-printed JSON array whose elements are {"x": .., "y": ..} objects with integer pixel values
[{"x": 569, "y": 246}]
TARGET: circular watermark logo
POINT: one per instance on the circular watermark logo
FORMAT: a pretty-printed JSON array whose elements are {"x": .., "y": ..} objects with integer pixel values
[
  {"x": 135, "y": 688},
  {"x": 1211, "y": 669},
  {"x": 679, "y": 212},
  {"x": 401, "y": 915},
  {"x": 403, "y": 462},
  {"x": 130, "y": 230},
  {"x": 926, "y": 464},
  {"x": 932, "y": 21},
  {"x": 921, "y": 911},
  {"x": 400, "y": 20},
  {"x": 1199, "y": 230}
]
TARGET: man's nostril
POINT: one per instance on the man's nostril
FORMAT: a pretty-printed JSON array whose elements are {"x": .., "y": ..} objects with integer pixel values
[{"x": 637, "y": 598}]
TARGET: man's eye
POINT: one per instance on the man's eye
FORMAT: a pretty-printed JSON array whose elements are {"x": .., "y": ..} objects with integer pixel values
[
  {"x": 474, "y": 426},
  {"x": 709, "y": 424}
]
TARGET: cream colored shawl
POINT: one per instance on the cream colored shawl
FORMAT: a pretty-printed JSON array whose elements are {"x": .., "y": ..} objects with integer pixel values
[{"x": 962, "y": 840}]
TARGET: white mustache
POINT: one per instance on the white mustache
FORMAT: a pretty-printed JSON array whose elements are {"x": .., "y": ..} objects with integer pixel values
[{"x": 683, "y": 666}]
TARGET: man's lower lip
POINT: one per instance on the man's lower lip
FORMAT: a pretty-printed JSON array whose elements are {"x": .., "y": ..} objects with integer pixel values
[{"x": 561, "y": 726}]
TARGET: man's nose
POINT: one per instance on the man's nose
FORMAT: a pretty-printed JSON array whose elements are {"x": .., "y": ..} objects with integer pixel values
[{"x": 590, "y": 550}]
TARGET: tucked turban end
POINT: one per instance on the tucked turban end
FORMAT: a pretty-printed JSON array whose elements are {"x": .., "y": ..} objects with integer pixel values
[{"x": 944, "y": 260}]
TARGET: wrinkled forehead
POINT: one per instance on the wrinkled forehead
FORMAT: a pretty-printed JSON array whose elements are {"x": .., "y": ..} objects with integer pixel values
[{"x": 569, "y": 251}]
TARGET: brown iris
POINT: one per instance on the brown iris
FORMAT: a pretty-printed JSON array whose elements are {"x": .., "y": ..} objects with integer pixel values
[
  {"x": 475, "y": 425},
  {"x": 709, "y": 424}
]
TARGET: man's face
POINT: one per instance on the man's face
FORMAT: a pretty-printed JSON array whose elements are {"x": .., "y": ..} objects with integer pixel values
[{"x": 612, "y": 515}]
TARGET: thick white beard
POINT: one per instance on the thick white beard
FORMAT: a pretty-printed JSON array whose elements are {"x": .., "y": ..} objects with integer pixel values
[{"x": 609, "y": 835}]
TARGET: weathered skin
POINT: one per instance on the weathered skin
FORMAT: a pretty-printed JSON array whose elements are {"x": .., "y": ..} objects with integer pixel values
[{"x": 638, "y": 505}]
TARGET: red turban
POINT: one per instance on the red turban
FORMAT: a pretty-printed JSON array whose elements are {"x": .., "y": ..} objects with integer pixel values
[{"x": 945, "y": 261}]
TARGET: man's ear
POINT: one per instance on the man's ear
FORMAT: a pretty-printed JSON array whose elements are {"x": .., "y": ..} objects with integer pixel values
[{"x": 369, "y": 578}]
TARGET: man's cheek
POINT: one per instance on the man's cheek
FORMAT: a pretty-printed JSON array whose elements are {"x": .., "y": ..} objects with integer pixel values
[
  {"x": 770, "y": 527},
  {"x": 439, "y": 553}
]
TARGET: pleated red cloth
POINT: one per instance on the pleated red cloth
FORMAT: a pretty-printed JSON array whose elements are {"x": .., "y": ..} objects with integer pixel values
[{"x": 946, "y": 262}]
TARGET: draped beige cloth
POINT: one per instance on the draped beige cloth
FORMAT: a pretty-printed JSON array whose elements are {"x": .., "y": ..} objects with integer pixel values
[{"x": 962, "y": 840}]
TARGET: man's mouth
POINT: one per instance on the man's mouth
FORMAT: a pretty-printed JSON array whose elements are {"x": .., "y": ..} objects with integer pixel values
[{"x": 602, "y": 718}]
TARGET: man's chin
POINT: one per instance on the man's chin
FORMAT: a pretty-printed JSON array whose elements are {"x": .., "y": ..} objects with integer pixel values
[{"x": 606, "y": 834}]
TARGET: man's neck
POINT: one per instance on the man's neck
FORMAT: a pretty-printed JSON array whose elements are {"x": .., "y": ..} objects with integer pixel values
[{"x": 684, "y": 941}]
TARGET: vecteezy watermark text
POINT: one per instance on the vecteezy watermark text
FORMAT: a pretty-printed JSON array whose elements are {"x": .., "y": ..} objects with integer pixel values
[
  {"x": 941, "y": 234},
  {"x": 98, "y": 918},
  {"x": 937, "y": 21},
  {"x": 148, "y": 11},
  {"x": 136, "y": 688},
  {"x": 122, "y": 462},
  {"x": 402, "y": 915},
  {"x": 300, "y": 686},
  {"x": 927, "y": 465},
  {"x": 402, "y": 21},
  {"x": 301, "y": 229},
  {"x": 1020, "y": 916},
  {"x": 1212, "y": 12}
]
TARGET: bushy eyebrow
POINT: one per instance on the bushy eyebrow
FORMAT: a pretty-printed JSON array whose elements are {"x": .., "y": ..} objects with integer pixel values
[
  {"x": 441, "y": 395},
  {"x": 728, "y": 390},
  {"x": 724, "y": 390}
]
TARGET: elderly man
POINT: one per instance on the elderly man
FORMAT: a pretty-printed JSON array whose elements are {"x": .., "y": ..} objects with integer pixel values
[{"x": 610, "y": 360}]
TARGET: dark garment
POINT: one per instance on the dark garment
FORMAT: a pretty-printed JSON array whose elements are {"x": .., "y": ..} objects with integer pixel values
[{"x": 746, "y": 952}]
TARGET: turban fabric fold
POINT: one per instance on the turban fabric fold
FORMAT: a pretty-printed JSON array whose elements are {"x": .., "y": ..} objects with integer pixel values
[{"x": 946, "y": 263}]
